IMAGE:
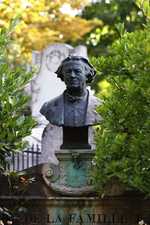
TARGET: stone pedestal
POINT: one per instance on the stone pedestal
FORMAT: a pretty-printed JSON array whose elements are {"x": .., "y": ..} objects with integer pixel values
[{"x": 71, "y": 177}]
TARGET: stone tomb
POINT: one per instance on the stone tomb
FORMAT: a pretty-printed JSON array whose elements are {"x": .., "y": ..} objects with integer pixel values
[
  {"x": 63, "y": 195},
  {"x": 48, "y": 207}
]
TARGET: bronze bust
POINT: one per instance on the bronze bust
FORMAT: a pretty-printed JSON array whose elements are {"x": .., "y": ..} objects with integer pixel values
[
  {"x": 76, "y": 106},
  {"x": 75, "y": 109}
]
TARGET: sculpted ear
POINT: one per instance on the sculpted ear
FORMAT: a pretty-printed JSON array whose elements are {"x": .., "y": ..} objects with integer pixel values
[{"x": 91, "y": 72}]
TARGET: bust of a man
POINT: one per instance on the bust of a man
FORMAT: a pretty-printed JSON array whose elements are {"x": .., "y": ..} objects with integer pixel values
[{"x": 76, "y": 106}]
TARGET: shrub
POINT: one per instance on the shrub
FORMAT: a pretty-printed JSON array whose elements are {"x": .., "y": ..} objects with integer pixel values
[
  {"x": 123, "y": 139},
  {"x": 14, "y": 123}
]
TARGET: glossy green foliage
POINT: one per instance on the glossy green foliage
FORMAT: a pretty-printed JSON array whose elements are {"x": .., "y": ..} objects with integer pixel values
[
  {"x": 123, "y": 139},
  {"x": 112, "y": 13},
  {"x": 14, "y": 123}
]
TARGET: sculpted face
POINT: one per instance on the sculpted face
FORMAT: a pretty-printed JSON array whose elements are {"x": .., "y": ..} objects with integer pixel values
[{"x": 74, "y": 75}]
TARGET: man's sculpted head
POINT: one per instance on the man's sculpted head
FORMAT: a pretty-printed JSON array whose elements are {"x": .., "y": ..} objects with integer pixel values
[
  {"x": 75, "y": 107},
  {"x": 76, "y": 67}
]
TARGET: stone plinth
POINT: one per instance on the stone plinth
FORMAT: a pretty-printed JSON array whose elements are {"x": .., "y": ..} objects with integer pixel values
[
  {"x": 121, "y": 210},
  {"x": 63, "y": 195},
  {"x": 48, "y": 206},
  {"x": 71, "y": 177}
]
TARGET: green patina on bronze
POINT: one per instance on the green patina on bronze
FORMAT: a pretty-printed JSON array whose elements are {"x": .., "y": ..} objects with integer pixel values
[
  {"x": 76, "y": 176},
  {"x": 72, "y": 174}
]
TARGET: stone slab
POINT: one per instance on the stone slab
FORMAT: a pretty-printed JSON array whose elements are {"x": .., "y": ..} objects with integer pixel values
[{"x": 121, "y": 210}]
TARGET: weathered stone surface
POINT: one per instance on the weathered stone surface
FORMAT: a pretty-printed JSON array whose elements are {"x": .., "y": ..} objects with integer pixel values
[
  {"x": 51, "y": 141},
  {"x": 122, "y": 210},
  {"x": 47, "y": 207}
]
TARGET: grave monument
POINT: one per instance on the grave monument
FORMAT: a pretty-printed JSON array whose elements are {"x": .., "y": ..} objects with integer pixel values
[
  {"x": 62, "y": 193},
  {"x": 75, "y": 111}
]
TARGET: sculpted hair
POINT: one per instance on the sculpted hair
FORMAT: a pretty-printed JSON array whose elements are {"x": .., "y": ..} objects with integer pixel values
[{"x": 90, "y": 71}]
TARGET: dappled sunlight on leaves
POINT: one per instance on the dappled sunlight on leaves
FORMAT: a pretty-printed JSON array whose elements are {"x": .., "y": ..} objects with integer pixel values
[{"x": 42, "y": 23}]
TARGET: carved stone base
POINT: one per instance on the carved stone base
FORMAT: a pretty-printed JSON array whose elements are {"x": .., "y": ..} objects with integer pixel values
[{"x": 71, "y": 177}]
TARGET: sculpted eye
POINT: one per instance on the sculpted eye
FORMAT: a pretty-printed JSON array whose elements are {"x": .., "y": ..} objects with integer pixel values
[
  {"x": 68, "y": 71},
  {"x": 78, "y": 71}
]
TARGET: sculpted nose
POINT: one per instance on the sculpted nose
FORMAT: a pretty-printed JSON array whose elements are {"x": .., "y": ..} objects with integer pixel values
[{"x": 72, "y": 74}]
